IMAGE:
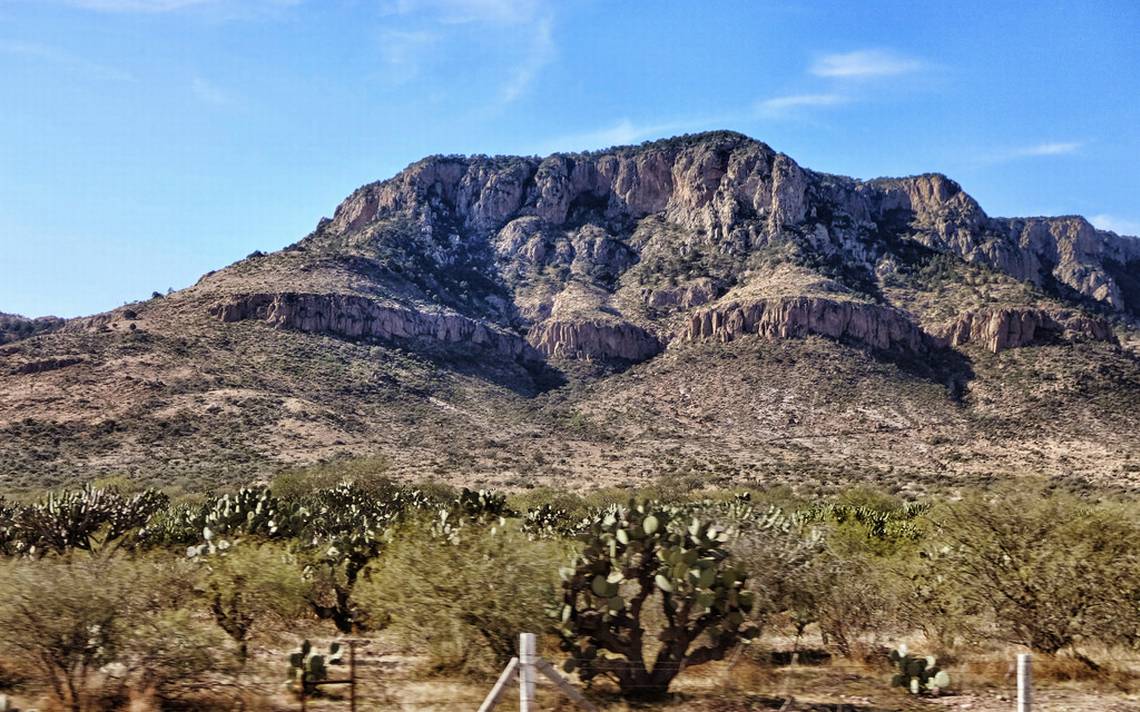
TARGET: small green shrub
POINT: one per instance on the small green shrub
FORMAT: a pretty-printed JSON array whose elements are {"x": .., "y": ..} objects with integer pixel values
[{"x": 468, "y": 594}]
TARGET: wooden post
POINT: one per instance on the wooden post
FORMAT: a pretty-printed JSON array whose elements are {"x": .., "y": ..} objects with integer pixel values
[
  {"x": 1024, "y": 683},
  {"x": 526, "y": 672},
  {"x": 547, "y": 669},
  {"x": 500, "y": 686},
  {"x": 352, "y": 675}
]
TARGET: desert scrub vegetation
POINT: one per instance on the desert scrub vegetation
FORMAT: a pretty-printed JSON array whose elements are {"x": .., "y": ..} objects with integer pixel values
[
  {"x": 466, "y": 591},
  {"x": 112, "y": 596}
]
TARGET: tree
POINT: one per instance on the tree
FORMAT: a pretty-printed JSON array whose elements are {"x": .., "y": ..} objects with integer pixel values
[
  {"x": 637, "y": 558},
  {"x": 250, "y": 586},
  {"x": 1049, "y": 570},
  {"x": 468, "y": 594}
]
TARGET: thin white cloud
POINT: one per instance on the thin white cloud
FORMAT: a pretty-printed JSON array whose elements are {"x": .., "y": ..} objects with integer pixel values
[
  {"x": 541, "y": 53},
  {"x": 781, "y": 105},
  {"x": 208, "y": 92},
  {"x": 1053, "y": 148},
  {"x": 460, "y": 12},
  {"x": 1121, "y": 226},
  {"x": 1046, "y": 149},
  {"x": 417, "y": 29},
  {"x": 863, "y": 64},
  {"x": 403, "y": 51},
  {"x": 65, "y": 60}
]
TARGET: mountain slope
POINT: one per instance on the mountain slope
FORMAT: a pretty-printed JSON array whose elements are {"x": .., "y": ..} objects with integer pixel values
[{"x": 701, "y": 304}]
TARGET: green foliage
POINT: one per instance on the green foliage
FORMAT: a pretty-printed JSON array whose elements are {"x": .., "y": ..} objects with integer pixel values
[
  {"x": 252, "y": 587},
  {"x": 69, "y": 617},
  {"x": 1043, "y": 570},
  {"x": 89, "y": 519},
  {"x": 641, "y": 554},
  {"x": 468, "y": 595},
  {"x": 921, "y": 676}
]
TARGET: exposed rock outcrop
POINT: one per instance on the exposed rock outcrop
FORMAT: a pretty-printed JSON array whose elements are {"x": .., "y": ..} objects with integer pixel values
[
  {"x": 870, "y": 325},
  {"x": 1010, "y": 328},
  {"x": 14, "y": 327},
  {"x": 695, "y": 293},
  {"x": 359, "y": 317},
  {"x": 735, "y": 195},
  {"x": 45, "y": 365},
  {"x": 594, "y": 340}
]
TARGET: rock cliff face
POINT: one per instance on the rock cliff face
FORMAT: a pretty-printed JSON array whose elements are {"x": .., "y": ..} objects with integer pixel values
[
  {"x": 1001, "y": 329},
  {"x": 869, "y": 325},
  {"x": 736, "y": 195},
  {"x": 592, "y": 340},
  {"x": 357, "y": 317},
  {"x": 674, "y": 224}
]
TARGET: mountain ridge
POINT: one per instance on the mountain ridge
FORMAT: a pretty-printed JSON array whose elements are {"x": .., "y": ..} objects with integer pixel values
[{"x": 479, "y": 292}]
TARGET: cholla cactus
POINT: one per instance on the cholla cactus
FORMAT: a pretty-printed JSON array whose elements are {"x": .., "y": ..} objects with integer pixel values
[
  {"x": 90, "y": 519},
  {"x": 647, "y": 553},
  {"x": 919, "y": 675}
]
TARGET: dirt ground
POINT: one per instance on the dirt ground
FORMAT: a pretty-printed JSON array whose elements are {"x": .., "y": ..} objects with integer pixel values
[
  {"x": 391, "y": 679},
  {"x": 395, "y": 681}
]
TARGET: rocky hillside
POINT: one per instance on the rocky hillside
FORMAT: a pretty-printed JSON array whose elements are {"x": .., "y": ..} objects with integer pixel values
[
  {"x": 698, "y": 305},
  {"x": 14, "y": 327}
]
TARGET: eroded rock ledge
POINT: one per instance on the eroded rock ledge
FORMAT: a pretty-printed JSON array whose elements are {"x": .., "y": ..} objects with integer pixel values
[
  {"x": 357, "y": 317},
  {"x": 1014, "y": 327},
  {"x": 593, "y": 340},
  {"x": 878, "y": 327}
]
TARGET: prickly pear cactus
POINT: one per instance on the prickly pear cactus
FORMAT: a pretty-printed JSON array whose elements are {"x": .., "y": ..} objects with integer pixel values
[
  {"x": 919, "y": 675},
  {"x": 307, "y": 667},
  {"x": 90, "y": 519},
  {"x": 642, "y": 555}
]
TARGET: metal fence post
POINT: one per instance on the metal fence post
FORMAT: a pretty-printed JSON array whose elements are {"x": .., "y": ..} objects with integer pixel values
[
  {"x": 526, "y": 672},
  {"x": 1024, "y": 683}
]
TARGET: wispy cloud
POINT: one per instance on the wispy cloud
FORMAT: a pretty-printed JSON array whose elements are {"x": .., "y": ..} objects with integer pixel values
[
  {"x": 403, "y": 50},
  {"x": 781, "y": 105},
  {"x": 1119, "y": 225},
  {"x": 541, "y": 54},
  {"x": 209, "y": 93},
  {"x": 1045, "y": 149},
  {"x": 63, "y": 59},
  {"x": 460, "y": 12},
  {"x": 418, "y": 28},
  {"x": 1052, "y": 148},
  {"x": 865, "y": 63}
]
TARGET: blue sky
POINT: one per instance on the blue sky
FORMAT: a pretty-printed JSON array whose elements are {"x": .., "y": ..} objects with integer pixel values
[{"x": 145, "y": 142}]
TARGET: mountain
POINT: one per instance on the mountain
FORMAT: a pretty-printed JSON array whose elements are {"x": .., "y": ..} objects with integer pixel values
[{"x": 700, "y": 306}]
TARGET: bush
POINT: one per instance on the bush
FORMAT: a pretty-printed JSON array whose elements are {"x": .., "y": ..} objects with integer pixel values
[
  {"x": 1048, "y": 570},
  {"x": 251, "y": 587},
  {"x": 86, "y": 626},
  {"x": 468, "y": 595}
]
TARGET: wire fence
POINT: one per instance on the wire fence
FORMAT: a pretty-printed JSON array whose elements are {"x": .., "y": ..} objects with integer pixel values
[{"x": 748, "y": 680}]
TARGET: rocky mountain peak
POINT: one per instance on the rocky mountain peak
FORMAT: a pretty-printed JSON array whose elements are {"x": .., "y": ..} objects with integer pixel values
[{"x": 467, "y": 273}]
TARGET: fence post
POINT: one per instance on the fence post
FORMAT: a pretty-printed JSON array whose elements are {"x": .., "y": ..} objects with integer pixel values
[
  {"x": 352, "y": 675},
  {"x": 1024, "y": 683},
  {"x": 526, "y": 672}
]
